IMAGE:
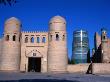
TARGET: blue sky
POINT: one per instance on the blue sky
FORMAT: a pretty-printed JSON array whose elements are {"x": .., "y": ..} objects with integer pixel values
[{"x": 90, "y": 15}]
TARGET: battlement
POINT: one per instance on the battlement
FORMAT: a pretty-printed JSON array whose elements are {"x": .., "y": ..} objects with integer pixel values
[{"x": 34, "y": 32}]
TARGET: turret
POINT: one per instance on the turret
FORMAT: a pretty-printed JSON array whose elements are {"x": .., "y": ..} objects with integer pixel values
[
  {"x": 104, "y": 46},
  {"x": 11, "y": 45},
  {"x": 57, "y": 51}
]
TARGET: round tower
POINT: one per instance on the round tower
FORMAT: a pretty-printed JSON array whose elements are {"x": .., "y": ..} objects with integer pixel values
[
  {"x": 104, "y": 46},
  {"x": 57, "y": 51},
  {"x": 11, "y": 45}
]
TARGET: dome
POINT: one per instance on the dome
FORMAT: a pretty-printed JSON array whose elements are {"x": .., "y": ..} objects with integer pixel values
[
  {"x": 12, "y": 19},
  {"x": 103, "y": 29},
  {"x": 57, "y": 23},
  {"x": 12, "y": 25},
  {"x": 57, "y": 19}
]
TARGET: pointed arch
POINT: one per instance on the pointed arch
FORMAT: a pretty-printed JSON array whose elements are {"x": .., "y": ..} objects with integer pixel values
[
  {"x": 51, "y": 37},
  {"x": 104, "y": 37},
  {"x": 38, "y": 40},
  {"x": 14, "y": 37},
  {"x": 57, "y": 37},
  {"x": 32, "y": 39},
  {"x": 26, "y": 40},
  {"x": 34, "y": 53},
  {"x": 7, "y": 38},
  {"x": 43, "y": 39}
]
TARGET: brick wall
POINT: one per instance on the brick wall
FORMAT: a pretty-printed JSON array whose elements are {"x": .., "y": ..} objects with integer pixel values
[
  {"x": 78, "y": 68},
  {"x": 101, "y": 68}
]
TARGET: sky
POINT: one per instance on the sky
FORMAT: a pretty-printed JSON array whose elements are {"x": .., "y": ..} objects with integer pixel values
[{"x": 89, "y": 15}]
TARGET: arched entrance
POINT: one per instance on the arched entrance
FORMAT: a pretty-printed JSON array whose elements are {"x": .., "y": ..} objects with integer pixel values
[
  {"x": 34, "y": 64},
  {"x": 34, "y": 61}
]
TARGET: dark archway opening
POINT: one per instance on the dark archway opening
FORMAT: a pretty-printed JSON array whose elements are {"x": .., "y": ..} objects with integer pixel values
[
  {"x": 57, "y": 37},
  {"x": 14, "y": 38},
  {"x": 34, "y": 64}
]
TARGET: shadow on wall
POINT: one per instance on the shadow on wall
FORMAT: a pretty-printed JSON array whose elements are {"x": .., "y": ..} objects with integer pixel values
[
  {"x": 97, "y": 58},
  {"x": 89, "y": 70},
  {"x": 88, "y": 57},
  {"x": 39, "y": 80}
]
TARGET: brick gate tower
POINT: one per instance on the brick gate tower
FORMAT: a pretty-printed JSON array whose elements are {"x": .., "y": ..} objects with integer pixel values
[
  {"x": 10, "y": 58},
  {"x": 57, "y": 51}
]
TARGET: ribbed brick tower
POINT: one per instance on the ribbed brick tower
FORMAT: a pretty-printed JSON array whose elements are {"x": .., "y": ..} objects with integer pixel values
[
  {"x": 57, "y": 51},
  {"x": 11, "y": 45}
]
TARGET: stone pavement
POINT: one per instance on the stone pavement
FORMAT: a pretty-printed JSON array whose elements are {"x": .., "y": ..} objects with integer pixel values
[{"x": 46, "y": 77}]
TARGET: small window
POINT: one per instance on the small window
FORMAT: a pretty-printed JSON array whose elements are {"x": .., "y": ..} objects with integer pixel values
[
  {"x": 19, "y": 39},
  {"x": 34, "y": 54},
  {"x": 38, "y": 40},
  {"x": 50, "y": 23},
  {"x": 57, "y": 37},
  {"x": 26, "y": 40},
  {"x": 103, "y": 37},
  {"x": 43, "y": 39},
  {"x": 32, "y": 40},
  {"x": 14, "y": 38},
  {"x": 7, "y": 38},
  {"x": 63, "y": 37},
  {"x": 50, "y": 37}
]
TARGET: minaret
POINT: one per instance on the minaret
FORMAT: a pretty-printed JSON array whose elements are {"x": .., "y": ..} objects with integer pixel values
[
  {"x": 11, "y": 45},
  {"x": 104, "y": 46},
  {"x": 57, "y": 51}
]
